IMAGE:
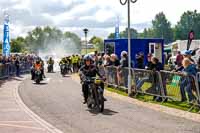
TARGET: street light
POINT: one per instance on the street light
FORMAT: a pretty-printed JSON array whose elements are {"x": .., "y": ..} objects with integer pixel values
[
  {"x": 86, "y": 31},
  {"x": 129, "y": 42}
]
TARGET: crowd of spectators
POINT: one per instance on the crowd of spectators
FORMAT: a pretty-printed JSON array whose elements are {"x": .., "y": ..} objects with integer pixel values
[
  {"x": 117, "y": 72},
  {"x": 14, "y": 63}
]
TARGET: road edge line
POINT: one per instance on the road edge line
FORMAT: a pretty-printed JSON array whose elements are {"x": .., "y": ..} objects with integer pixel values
[{"x": 50, "y": 128}]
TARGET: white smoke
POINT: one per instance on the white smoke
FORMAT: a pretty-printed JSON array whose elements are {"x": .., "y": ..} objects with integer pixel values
[{"x": 57, "y": 50}]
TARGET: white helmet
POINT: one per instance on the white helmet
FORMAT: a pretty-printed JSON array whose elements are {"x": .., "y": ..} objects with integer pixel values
[{"x": 123, "y": 53}]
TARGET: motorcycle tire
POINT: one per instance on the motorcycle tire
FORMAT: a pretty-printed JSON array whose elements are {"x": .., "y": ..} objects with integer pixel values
[{"x": 100, "y": 103}]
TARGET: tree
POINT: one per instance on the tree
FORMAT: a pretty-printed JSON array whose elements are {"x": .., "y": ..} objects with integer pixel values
[
  {"x": 97, "y": 42},
  {"x": 147, "y": 33},
  {"x": 190, "y": 20},
  {"x": 49, "y": 39},
  {"x": 124, "y": 34},
  {"x": 75, "y": 38},
  {"x": 162, "y": 27},
  {"x": 111, "y": 36},
  {"x": 18, "y": 45}
]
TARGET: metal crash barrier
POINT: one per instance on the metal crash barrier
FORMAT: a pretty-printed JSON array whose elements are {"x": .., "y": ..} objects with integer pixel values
[
  {"x": 180, "y": 87},
  {"x": 9, "y": 69},
  {"x": 148, "y": 82},
  {"x": 163, "y": 85},
  {"x": 118, "y": 77}
]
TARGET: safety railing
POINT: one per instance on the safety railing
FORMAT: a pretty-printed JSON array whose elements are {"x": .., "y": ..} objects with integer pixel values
[
  {"x": 163, "y": 85},
  {"x": 148, "y": 82},
  {"x": 118, "y": 77},
  {"x": 9, "y": 69},
  {"x": 180, "y": 87}
]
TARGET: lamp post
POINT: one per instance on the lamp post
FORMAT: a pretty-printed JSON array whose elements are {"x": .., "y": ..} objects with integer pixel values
[
  {"x": 129, "y": 42},
  {"x": 86, "y": 31}
]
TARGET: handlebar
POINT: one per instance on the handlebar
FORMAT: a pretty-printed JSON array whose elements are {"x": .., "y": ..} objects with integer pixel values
[{"x": 93, "y": 79}]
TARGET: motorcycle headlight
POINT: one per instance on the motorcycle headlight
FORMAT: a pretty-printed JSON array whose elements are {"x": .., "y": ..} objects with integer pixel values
[
  {"x": 38, "y": 72},
  {"x": 97, "y": 81}
]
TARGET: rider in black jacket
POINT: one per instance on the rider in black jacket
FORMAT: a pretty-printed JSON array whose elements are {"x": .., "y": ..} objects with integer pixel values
[{"x": 88, "y": 70}]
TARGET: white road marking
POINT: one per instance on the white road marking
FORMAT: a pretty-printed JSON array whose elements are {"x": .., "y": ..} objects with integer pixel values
[
  {"x": 19, "y": 126},
  {"x": 16, "y": 122}
]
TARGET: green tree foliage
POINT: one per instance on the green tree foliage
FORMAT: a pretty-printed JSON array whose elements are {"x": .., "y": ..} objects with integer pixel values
[
  {"x": 75, "y": 38},
  {"x": 190, "y": 20},
  {"x": 43, "y": 39},
  {"x": 147, "y": 33},
  {"x": 162, "y": 27},
  {"x": 17, "y": 45},
  {"x": 97, "y": 42},
  {"x": 124, "y": 34},
  {"x": 111, "y": 36}
]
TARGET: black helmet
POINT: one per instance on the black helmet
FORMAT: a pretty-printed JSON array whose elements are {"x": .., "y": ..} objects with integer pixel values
[
  {"x": 87, "y": 58},
  {"x": 37, "y": 62}
]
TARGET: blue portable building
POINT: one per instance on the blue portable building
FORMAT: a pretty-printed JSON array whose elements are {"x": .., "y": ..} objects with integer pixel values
[{"x": 145, "y": 46}]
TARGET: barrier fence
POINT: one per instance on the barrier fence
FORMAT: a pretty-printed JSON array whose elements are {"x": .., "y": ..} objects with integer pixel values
[
  {"x": 163, "y": 85},
  {"x": 9, "y": 69}
]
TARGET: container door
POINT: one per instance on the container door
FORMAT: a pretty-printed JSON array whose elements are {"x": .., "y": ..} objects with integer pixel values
[{"x": 156, "y": 50}]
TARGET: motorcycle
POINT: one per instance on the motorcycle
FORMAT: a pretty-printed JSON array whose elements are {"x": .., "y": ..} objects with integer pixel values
[
  {"x": 69, "y": 70},
  {"x": 37, "y": 76},
  {"x": 63, "y": 69},
  {"x": 95, "y": 94},
  {"x": 50, "y": 68}
]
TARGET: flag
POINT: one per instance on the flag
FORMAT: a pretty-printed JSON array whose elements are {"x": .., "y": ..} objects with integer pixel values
[
  {"x": 117, "y": 29},
  {"x": 6, "y": 37}
]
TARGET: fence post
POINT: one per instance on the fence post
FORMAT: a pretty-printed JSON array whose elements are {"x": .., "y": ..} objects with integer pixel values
[
  {"x": 134, "y": 87},
  {"x": 161, "y": 85}
]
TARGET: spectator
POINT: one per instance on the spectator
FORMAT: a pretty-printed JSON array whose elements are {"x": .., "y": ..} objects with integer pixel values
[
  {"x": 156, "y": 66},
  {"x": 188, "y": 54},
  {"x": 149, "y": 63},
  {"x": 123, "y": 73},
  {"x": 114, "y": 71},
  {"x": 107, "y": 61},
  {"x": 17, "y": 65},
  {"x": 179, "y": 59},
  {"x": 114, "y": 60},
  {"x": 140, "y": 60},
  {"x": 100, "y": 60},
  {"x": 186, "y": 82},
  {"x": 124, "y": 59}
]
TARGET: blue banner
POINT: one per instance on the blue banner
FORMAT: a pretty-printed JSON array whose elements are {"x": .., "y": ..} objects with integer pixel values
[
  {"x": 6, "y": 38},
  {"x": 117, "y": 36}
]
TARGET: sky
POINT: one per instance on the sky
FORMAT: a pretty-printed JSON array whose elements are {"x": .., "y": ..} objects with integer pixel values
[{"x": 99, "y": 16}]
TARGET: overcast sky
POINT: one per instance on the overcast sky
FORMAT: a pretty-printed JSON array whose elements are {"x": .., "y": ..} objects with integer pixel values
[{"x": 99, "y": 16}]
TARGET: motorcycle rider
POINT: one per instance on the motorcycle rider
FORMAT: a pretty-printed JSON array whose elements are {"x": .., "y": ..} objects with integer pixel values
[
  {"x": 37, "y": 66},
  {"x": 88, "y": 70},
  {"x": 69, "y": 65},
  {"x": 50, "y": 62},
  {"x": 62, "y": 62},
  {"x": 42, "y": 67}
]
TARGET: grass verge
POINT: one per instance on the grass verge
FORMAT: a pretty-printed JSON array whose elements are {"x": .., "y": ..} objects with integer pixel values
[{"x": 147, "y": 98}]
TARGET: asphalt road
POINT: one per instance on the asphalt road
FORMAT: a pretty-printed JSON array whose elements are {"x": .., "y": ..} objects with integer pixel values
[{"x": 59, "y": 101}]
